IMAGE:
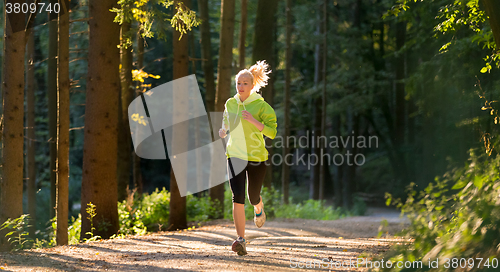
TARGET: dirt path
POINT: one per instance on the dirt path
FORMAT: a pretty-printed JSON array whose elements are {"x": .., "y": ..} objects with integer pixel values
[{"x": 281, "y": 245}]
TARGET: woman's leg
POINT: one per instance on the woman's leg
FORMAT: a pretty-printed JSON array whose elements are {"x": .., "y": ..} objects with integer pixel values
[
  {"x": 237, "y": 184},
  {"x": 257, "y": 208},
  {"x": 256, "y": 172},
  {"x": 239, "y": 219}
]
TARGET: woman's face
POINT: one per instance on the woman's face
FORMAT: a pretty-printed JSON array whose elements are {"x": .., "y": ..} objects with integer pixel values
[{"x": 244, "y": 85}]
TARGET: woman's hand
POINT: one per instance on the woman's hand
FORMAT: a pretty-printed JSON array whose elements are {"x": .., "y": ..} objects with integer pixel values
[
  {"x": 222, "y": 133},
  {"x": 248, "y": 116}
]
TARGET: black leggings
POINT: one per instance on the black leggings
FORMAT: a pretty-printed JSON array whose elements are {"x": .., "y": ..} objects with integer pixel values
[{"x": 254, "y": 172}]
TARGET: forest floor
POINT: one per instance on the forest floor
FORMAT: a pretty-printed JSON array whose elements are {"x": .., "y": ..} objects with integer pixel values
[{"x": 280, "y": 245}]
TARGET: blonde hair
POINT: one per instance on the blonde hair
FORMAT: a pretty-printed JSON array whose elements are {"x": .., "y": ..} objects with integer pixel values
[{"x": 258, "y": 73}]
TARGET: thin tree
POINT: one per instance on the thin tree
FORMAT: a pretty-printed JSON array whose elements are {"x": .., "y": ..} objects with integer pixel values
[
  {"x": 243, "y": 34},
  {"x": 30, "y": 131},
  {"x": 99, "y": 180},
  {"x": 224, "y": 70},
  {"x": 352, "y": 121},
  {"x": 11, "y": 185},
  {"x": 52, "y": 105},
  {"x": 400, "y": 103},
  {"x": 126, "y": 97},
  {"x": 177, "y": 217},
  {"x": 379, "y": 64},
  {"x": 136, "y": 160},
  {"x": 263, "y": 44},
  {"x": 319, "y": 56},
  {"x": 336, "y": 130},
  {"x": 206, "y": 54},
  {"x": 323, "y": 164},
  {"x": 493, "y": 10},
  {"x": 63, "y": 113},
  {"x": 285, "y": 178}
]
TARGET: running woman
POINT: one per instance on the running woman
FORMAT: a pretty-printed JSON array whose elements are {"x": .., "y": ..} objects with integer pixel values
[{"x": 247, "y": 117}]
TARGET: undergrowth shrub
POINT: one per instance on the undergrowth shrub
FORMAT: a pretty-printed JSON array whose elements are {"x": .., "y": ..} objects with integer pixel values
[
  {"x": 150, "y": 212},
  {"x": 308, "y": 209},
  {"x": 455, "y": 220},
  {"x": 19, "y": 238}
]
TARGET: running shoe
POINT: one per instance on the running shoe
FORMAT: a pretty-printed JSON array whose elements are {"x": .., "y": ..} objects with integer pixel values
[
  {"x": 240, "y": 246},
  {"x": 260, "y": 218}
]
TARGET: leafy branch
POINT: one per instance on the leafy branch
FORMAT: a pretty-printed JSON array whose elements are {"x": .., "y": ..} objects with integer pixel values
[{"x": 91, "y": 210}]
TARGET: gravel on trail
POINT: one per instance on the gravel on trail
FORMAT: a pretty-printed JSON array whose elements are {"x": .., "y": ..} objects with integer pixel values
[{"x": 280, "y": 245}]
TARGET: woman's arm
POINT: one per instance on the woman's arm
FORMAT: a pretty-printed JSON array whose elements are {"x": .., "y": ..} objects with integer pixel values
[
  {"x": 268, "y": 117},
  {"x": 248, "y": 116},
  {"x": 225, "y": 123}
]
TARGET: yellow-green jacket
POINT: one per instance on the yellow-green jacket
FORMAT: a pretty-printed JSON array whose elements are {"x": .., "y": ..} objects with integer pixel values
[{"x": 246, "y": 142}]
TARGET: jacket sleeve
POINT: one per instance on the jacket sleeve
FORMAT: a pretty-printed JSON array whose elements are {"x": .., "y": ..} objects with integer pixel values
[
  {"x": 225, "y": 119},
  {"x": 269, "y": 120}
]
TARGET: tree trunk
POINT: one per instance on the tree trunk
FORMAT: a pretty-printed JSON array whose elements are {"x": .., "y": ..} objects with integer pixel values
[
  {"x": 136, "y": 160},
  {"x": 263, "y": 44},
  {"x": 225, "y": 72},
  {"x": 412, "y": 111},
  {"x": 316, "y": 169},
  {"x": 52, "y": 105},
  {"x": 349, "y": 171},
  {"x": 140, "y": 51},
  {"x": 493, "y": 10},
  {"x": 30, "y": 131},
  {"x": 399, "y": 136},
  {"x": 126, "y": 97},
  {"x": 323, "y": 165},
  {"x": 206, "y": 54},
  {"x": 315, "y": 150},
  {"x": 63, "y": 113},
  {"x": 400, "y": 86},
  {"x": 337, "y": 169},
  {"x": 243, "y": 34},
  {"x": 285, "y": 177},
  {"x": 99, "y": 181},
  {"x": 11, "y": 185},
  {"x": 192, "y": 52},
  {"x": 349, "y": 167},
  {"x": 383, "y": 100},
  {"x": 177, "y": 218}
]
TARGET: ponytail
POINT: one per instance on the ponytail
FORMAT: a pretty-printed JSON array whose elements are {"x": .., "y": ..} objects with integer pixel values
[{"x": 259, "y": 74}]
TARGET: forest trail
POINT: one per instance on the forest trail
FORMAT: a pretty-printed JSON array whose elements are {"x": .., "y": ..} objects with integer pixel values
[{"x": 281, "y": 245}]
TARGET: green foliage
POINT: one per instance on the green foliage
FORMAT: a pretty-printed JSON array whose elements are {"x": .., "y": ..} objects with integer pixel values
[
  {"x": 308, "y": 209},
  {"x": 145, "y": 12},
  {"x": 184, "y": 19},
  {"x": 455, "y": 16},
  {"x": 151, "y": 213},
  {"x": 18, "y": 234},
  {"x": 19, "y": 238},
  {"x": 154, "y": 209},
  {"x": 74, "y": 230},
  {"x": 131, "y": 222},
  {"x": 200, "y": 209},
  {"x": 91, "y": 211},
  {"x": 457, "y": 216}
]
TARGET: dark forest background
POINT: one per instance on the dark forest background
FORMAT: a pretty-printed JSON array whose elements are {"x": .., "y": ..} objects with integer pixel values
[{"x": 423, "y": 81}]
